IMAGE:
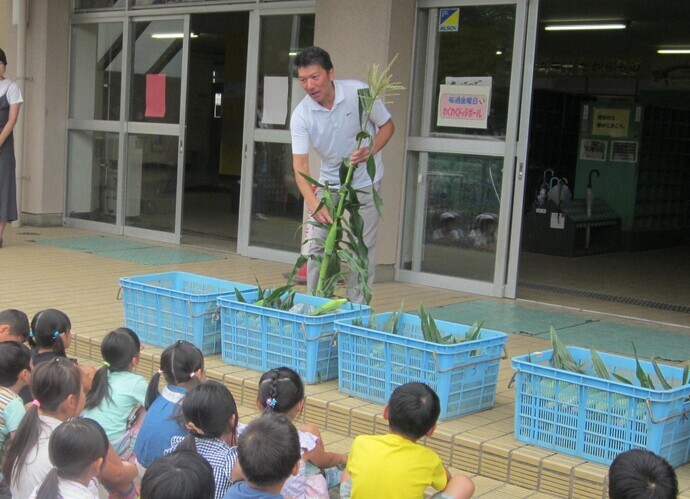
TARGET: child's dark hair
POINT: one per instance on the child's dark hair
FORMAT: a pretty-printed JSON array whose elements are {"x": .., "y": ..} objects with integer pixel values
[
  {"x": 46, "y": 328},
  {"x": 280, "y": 389},
  {"x": 209, "y": 410},
  {"x": 268, "y": 450},
  {"x": 313, "y": 56},
  {"x": 118, "y": 349},
  {"x": 182, "y": 475},
  {"x": 73, "y": 446},
  {"x": 51, "y": 383},
  {"x": 18, "y": 323},
  {"x": 413, "y": 409},
  {"x": 179, "y": 362},
  {"x": 14, "y": 358},
  {"x": 641, "y": 474}
]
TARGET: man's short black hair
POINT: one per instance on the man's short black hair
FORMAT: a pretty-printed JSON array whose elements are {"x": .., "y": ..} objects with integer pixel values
[
  {"x": 268, "y": 450},
  {"x": 641, "y": 474},
  {"x": 413, "y": 410},
  {"x": 313, "y": 56}
]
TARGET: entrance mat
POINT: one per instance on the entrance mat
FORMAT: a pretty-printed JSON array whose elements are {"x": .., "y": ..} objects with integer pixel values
[
  {"x": 571, "y": 329},
  {"x": 131, "y": 251}
]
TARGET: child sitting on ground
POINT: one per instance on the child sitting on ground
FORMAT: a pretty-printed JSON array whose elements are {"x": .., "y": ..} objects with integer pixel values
[
  {"x": 50, "y": 337},
  {"x": 210, "y": 415},
  {"x": 14, "y": 326},
  {"x": 281, "y": 391},
  {"x": 182, "y": 365},
  {"x": 77, "y": 449},
  {"x": 15, "y": 373},
  {"x": 58, "y": 396},
  {"x": 268, "y": 451},
  {"x": 395, "y": 465},
  {"x": 181, "y": 475},
  {"x": 641, "y": 474},
  {"x": 117, "y": 395}
]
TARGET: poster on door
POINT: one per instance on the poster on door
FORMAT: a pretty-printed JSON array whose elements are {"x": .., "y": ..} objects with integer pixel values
[{"x": 462, "y": 105}]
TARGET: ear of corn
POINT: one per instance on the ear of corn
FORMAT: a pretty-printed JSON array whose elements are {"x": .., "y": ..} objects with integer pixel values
[
  {"x": 330, "y": 307},
  {"x": 686, "y": 372},
  {"x": 642, "y": 376}
]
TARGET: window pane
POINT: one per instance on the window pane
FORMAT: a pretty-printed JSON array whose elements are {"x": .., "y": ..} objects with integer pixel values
[
  {"x": 92, "y": 176},
  {"x": 276, "y": 201},
  {"x": 281, "y": 38},
  {"x": 481, "y": 47},
  {"x": 151, "y": 182},
  {"x": 96, "y": 71},
  {"x": 157, "y": 71},
  {"x": 461, "y": 211},
  {"x": 80, "y": 5}
]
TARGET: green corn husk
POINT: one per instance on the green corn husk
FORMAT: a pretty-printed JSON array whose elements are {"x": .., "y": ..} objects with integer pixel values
[
  {"x": 622, "y": 379},
  {"x": 642, "y": 376},
  {"x": 686, "y": 372},
  {"x": 391, "y": 325},
  {"x": 239, "y": 296},
  {"x": 598, "y": 365},
  {"x": 660, "y": 375},
  {"x": 475, "y": 332},
  {"x": 330, "y": 307},
  {"x": 562, "y": 358}
]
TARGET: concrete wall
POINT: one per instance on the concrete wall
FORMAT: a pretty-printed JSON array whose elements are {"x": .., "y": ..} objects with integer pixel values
[{"x": 358, "y": 33}]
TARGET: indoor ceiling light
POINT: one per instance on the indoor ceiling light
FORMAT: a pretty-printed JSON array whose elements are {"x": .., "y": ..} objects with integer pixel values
[
  {"x": 163, "y": 36},
  {"x": 586, "y": 26},
  {"x": 673, "y": 51}
]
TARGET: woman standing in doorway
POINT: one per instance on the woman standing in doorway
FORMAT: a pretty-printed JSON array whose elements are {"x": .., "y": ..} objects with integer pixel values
[{"x": 10, "y": 101}]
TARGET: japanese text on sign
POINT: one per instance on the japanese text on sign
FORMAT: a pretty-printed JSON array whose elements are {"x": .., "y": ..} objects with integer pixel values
[
  {"x": 610, "y": 122},
  {"x": 462, "y": 106}
]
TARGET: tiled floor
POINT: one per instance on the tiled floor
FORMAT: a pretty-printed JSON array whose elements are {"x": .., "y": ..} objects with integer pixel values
[{"x": 86, "y": 287}]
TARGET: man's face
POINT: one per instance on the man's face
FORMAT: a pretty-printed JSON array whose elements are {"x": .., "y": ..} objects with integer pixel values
[{"x": 318, "y": 83}]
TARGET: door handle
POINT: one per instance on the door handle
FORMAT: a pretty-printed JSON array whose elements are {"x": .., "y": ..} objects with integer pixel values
[{"x": 521, "y": 169}]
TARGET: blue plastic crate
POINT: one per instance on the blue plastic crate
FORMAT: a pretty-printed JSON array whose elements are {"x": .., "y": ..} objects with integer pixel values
[
  {"x": 372, "y": 363},
  {"x": 261, "y": 338},
  {"x": 170, "y": 306},
  {"x": 597, "y": 419}
]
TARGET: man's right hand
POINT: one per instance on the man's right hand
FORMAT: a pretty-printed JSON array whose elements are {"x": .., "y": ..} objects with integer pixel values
[{"x": 321, "y": 216}]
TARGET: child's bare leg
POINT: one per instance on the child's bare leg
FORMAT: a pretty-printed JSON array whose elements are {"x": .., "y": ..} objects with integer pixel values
[{"x": 458, "y": 487}]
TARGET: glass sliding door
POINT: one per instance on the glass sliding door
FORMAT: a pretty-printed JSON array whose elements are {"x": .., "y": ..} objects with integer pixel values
[
  {"x": 271, "y": 201},
  {"x": 462, "y": 143},
  {"x": 94, "y": 111},
  {"x": 154, "y": 144}
]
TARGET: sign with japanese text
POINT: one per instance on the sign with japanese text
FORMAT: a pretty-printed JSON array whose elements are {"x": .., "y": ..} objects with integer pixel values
[
  {"x": 611, "y": 122},
  {"x": 463, "y": 106}
]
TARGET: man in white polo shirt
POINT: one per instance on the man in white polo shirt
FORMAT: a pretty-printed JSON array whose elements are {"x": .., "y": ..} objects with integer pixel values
[{"x": 328, "y": 120}]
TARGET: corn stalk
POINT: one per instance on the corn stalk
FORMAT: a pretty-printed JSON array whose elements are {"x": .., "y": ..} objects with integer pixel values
[{"x": 352, "y": 249}]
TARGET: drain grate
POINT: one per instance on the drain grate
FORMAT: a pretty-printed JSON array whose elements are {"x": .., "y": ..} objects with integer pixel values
[{"x": 613, "y": 298}]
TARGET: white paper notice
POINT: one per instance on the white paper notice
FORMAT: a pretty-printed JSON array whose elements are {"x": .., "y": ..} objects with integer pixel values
[
  {"x": 275, "y": 100},
  {"x": 463, "y": 106}
]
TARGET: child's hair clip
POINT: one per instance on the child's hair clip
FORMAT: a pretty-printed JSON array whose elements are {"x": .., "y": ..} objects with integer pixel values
[
  {"x": 191, "y": 375},
  {"x": 56, "y": 335},
  {"x": 271, "y": 402}
]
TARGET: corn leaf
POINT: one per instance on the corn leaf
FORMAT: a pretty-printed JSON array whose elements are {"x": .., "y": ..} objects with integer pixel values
[
  {"x": 621, "y": 378},
  {"x": 239, "y": 296},
  {"x": 660, "y": 375},
  {"x": 598, "y": 365},
  {"x": 642, "y": 376},
  {"x": 562, "y": 358},
  {"x": 474, "y": 332}
]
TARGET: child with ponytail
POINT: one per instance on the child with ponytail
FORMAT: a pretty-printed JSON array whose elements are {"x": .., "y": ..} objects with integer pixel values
[
  {"x": 182, "y": 366},
  {"x": 78, "y": 449},
  {"x": 58, "y": 396},
  {"x": 50, "y": 337},
  {"x": 211, "y": 418},
  {"x": 117, "y": 395},
  {"x": 281, "y": 391}
]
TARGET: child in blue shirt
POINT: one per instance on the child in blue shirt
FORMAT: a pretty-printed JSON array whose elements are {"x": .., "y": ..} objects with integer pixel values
[
  {"x": 182, "y": 365},
  {"x": 269, "y": 453}
]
